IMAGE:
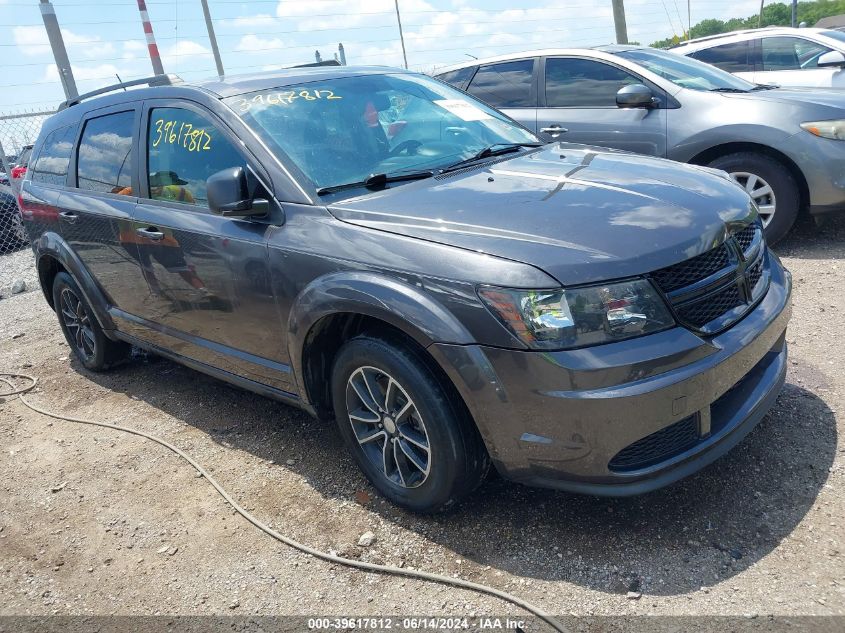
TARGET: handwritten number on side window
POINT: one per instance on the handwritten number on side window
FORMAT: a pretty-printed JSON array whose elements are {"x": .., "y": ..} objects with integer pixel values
[{"x": 181, "y": 134}]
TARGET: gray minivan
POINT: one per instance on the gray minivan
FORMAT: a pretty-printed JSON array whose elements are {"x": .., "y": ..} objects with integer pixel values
[
  {"x": 783, "y": 146},
  {"x": 375, "y": 246}
]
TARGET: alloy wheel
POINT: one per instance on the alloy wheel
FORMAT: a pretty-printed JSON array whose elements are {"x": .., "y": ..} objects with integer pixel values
[
  {"x": 78, "y": 323},
  {"x": 760, "y": 191},
  {"x": 388, "y": 426}
]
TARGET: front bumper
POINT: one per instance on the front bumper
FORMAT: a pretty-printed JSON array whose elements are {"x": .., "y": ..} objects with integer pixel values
[
  {"x": 559, "y": 419},
  {"x": 822, "y": 162}
]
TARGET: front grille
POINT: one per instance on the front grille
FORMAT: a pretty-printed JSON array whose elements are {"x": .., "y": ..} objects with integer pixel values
[
  {"x": 746, "y": 236},
  {"x": 706, "y": 290},
  {"x": 700, "y": 313},
  {"x": 693, "y": 270},
  {"x": 657, "y": 447}
]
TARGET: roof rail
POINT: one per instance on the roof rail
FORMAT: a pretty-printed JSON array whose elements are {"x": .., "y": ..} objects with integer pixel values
[
  {"x": 717, "y": 36},
  {"x": 155, "y": 80}
]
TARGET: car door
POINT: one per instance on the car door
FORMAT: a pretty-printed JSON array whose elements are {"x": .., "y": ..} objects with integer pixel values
[
  {"x": 578, "y": 104},
  {"x": 792, "y": 61},
  {"x": 208, "y": 277},
  {"x": 511, "y": 87},
  {"x": 97, "y": 207},
  {"x": 732, "y": 57}
]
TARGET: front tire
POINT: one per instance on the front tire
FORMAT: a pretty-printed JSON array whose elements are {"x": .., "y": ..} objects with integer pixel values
[
  {"x": 82, "y": 330},
  {"x": 408, "y": 432},
  {"x": 770, "y": 184}
]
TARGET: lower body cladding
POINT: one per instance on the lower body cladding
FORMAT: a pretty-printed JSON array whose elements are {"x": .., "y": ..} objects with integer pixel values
[{"x": 630, "y": 417}]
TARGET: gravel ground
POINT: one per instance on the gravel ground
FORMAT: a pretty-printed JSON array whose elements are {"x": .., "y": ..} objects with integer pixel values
[
  {"x": 15, "y": 265},
  {"x": 96, "y": 522}
]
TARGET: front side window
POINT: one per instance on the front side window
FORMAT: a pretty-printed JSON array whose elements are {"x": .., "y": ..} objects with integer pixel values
[
  {"x": 54, "y": 158},
  {"x": 732, "y": 57},
  {"x": 105, "y": 159},
  {"x": 790, "y": 53},
  {"x": 342, "y": 130},
  {"x": 504, "y": 85},
  {"x": 183, "y": 149},
  {"x": 584, "y": 83}
]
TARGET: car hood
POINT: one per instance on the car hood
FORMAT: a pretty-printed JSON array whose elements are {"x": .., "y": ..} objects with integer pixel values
[
  {"x": 579, "y": 213},
  {"x": 804, "y": 96}
]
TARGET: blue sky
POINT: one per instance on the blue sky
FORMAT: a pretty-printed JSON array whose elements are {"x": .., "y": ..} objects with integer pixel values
[{"x": 106, "y": 37}]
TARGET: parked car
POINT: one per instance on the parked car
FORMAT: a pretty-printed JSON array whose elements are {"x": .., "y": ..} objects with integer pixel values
[
  {"x": 584, "y": 319},
  {"x": 12, "y": 233},
  {"x": 782, "y": 146},
  {"x": 19, "y": 170},
  {"x": 776, "y": 56}
]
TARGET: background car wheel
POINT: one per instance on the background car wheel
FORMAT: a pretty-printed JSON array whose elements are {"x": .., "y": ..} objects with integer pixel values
[
  {"x": 410, "y": 435},
  {"x": 81, "y": 329},
  {"x": 771, "y": 186}
]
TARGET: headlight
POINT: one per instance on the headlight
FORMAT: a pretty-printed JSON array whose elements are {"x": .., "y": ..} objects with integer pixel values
[
  {"x": 826, "y": 129},
  {"x": 576, "y": 317}
]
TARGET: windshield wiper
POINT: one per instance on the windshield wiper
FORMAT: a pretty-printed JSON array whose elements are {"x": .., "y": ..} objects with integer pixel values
[
  {"x": 764, "y": 87},
  {"x": 491, "y": 150},
  {"x": 726, "y": 89},
  {"x": 378, "y": 181}
]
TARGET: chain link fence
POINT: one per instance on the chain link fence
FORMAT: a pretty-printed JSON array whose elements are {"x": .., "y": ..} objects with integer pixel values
[{"x": 17, "y": 134}]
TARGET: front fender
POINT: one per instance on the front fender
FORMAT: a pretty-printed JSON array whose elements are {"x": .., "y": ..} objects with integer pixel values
[
  {"x": 52, "y": 245},
  {"x": 404, "y": 306}
]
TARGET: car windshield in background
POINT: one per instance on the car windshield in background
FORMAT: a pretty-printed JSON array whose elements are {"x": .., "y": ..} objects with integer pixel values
[
  {"x": 834, "y": 35},
  {"x": 343, "y": 131},
  {"x": 686, "y": 72}
]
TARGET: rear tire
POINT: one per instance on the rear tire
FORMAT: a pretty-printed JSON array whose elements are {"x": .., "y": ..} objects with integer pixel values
[
  {"x": 389, "y": 404},
  {"x": 82, "y": 330},
  {"x": 760, "y": 174}
]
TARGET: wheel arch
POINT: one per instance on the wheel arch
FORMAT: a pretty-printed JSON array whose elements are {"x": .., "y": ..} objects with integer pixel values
[
  {"x": 54, "y": 255},
  {"x": 707, "y": 156},
  {"x": 337, "y": 307}
]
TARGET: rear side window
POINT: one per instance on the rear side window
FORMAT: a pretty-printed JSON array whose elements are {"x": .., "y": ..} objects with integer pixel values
[
  {"x": 105, "y": 159},
  {"x": 54, "y": 158},
  {"x": 732, "y": 57},
  {"x": 505, "y": 85},
  {"x": 184, "y": 149},
  {"x": 457, "y": 78},
  {"x": 584, "y": 83}
]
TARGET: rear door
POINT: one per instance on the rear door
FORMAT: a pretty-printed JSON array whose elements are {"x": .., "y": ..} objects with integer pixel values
[
  {"x": 97, "y": 206},
  {"x": 578, "y": 104},
  {"x": 511, "y": 87},
  {"x": 208, "y": 278}
]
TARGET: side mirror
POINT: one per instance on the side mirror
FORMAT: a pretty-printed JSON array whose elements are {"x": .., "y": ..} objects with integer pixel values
[
  {"x": 635, "y": 96},
  {"x": 831, "y": 59},
  {"x": 228, "y": 195}
]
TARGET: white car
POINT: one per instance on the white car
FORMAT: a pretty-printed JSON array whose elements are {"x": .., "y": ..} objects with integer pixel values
[{"x": 778, "y": 56}]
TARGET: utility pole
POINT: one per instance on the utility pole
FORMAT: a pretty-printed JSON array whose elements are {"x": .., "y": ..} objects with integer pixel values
[
  {"x": 689, "y": 20},
  {"x": 57, "y": 43},
  {"x": 342, "y": 53},
  {"x": 760, "y": 17},
  {"x": 155, "y": 58},
  {"x": 794, "y": 13},
  {"x": 212, "y": 38},
  {"x": 402, "y": 37},
  {"x": 619, "y": 22}
]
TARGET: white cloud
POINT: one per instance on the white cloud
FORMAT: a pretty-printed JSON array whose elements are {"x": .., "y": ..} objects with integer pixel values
[
  {"x": 249, "y": 21},
  {"x": 258, "y": 44},
  {"x": 105, "y": 73},
  {"x": 32, "y": 41}
]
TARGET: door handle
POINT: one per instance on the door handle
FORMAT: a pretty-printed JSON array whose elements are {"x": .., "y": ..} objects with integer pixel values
[
  {"x": 150, "y": 233},
  {"x": 554, "y": 129},
  {"x": 68, "y": 216}
]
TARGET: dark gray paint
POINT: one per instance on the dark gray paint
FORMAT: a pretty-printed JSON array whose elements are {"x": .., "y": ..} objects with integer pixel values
[{"x": 413, "y": 256}]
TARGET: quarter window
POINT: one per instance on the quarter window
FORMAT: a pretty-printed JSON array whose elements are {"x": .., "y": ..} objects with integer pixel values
[
  {"x": 505, "y": 85},
  {"x": 791, "y": 53},
  {"x": 584, "y": 83},
  {"x": 105, "y": 159},
  {"x": 458, "y": 78},
  {"x": 732, "y": 57},
  {"x": 184, "y": 149},
  {"x": 52, "y": 164}
]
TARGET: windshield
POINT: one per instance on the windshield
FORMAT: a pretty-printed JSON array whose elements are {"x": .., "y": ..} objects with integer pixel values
[
  {"x": 340, "y": 131},
  {"x": 686, "y": 72},
  {"x": 839, "y": 36}
]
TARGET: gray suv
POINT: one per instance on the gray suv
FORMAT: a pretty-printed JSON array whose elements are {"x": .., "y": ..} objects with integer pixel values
[
  {"x": 377, "y": 247},
  {"x": 783, "y": 146}
]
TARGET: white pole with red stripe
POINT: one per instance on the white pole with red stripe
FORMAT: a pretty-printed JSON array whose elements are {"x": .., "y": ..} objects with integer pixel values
[{"x": 155, "y": 58}]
